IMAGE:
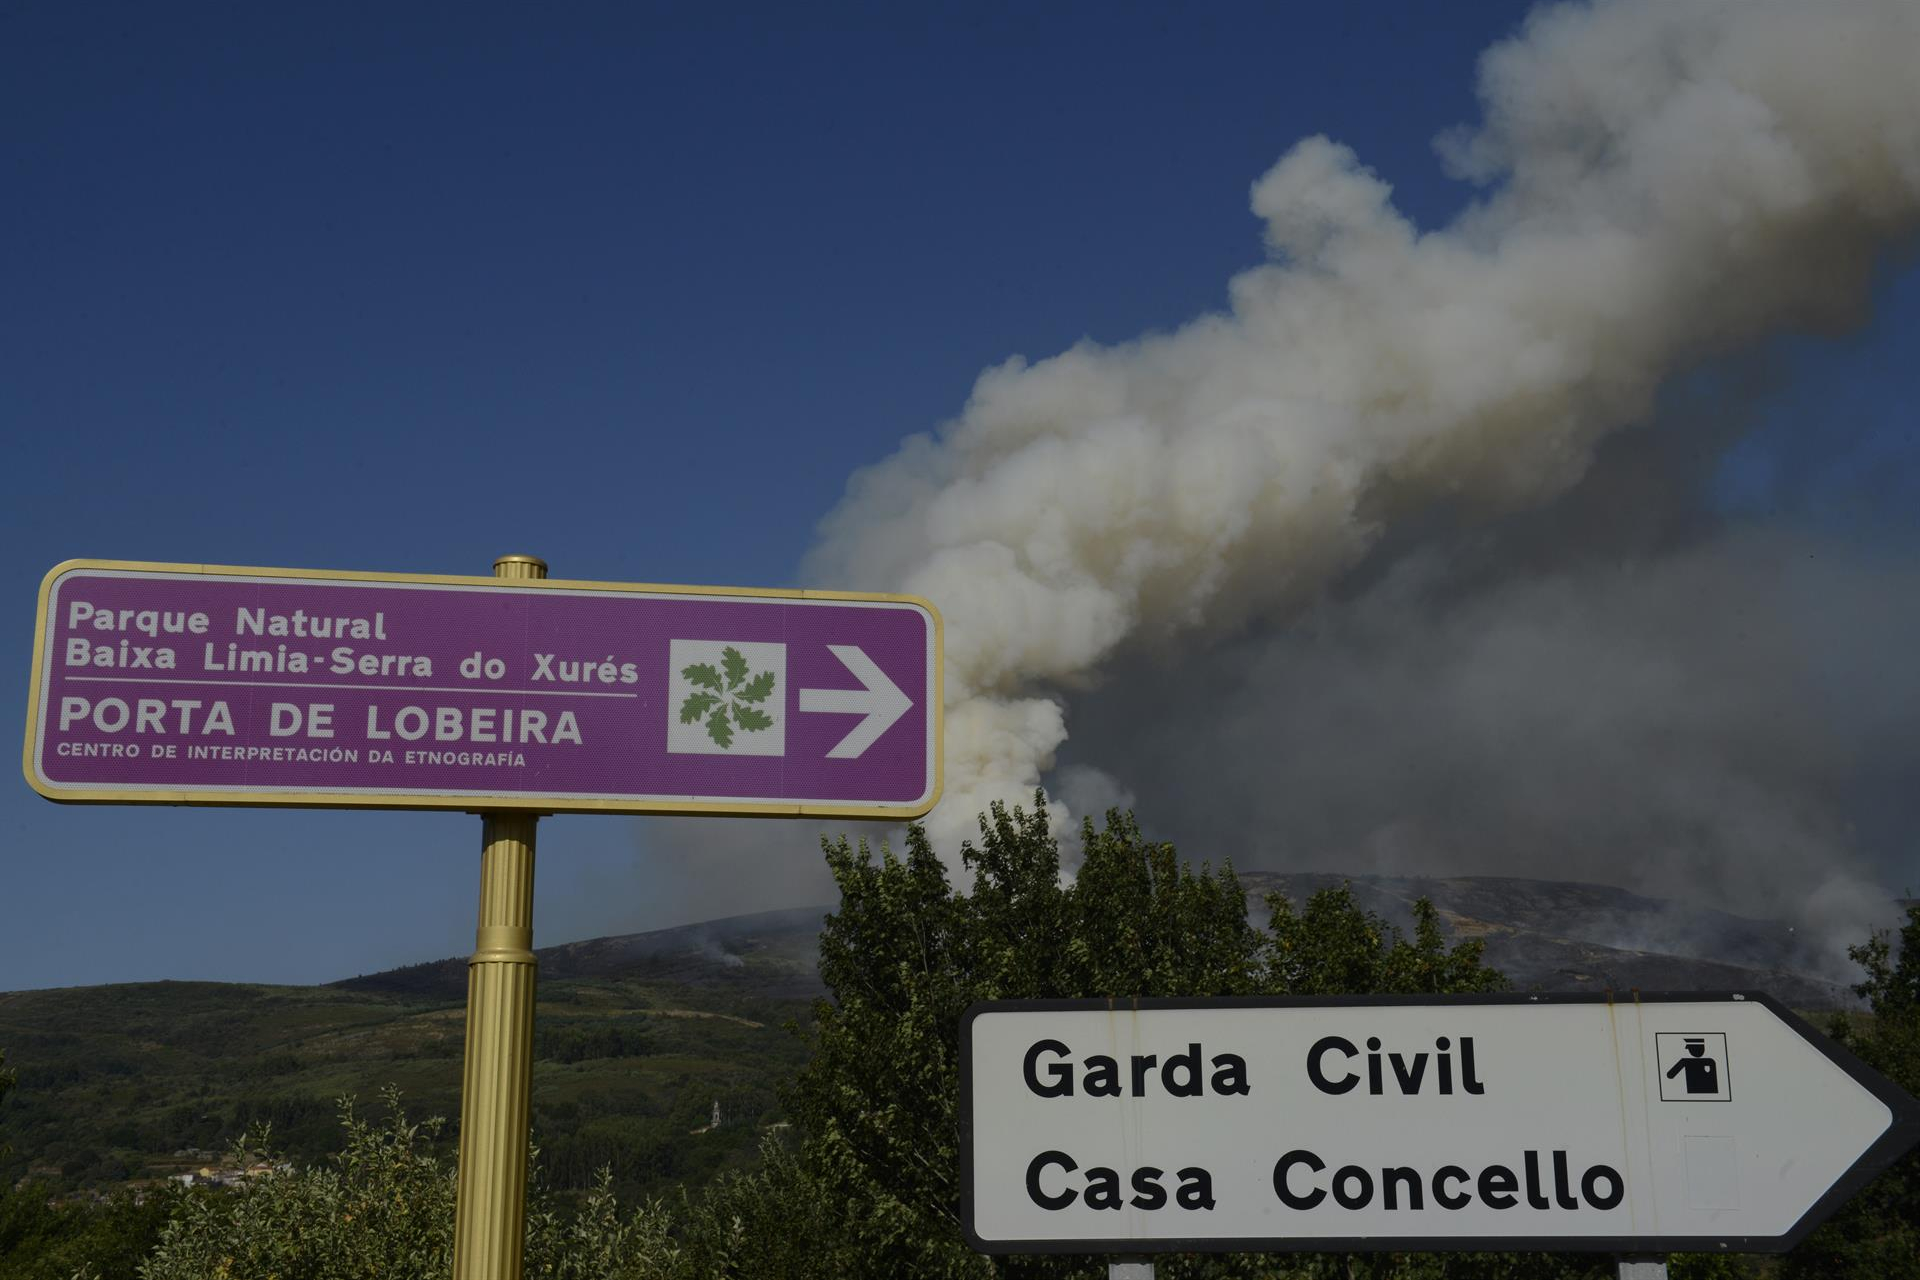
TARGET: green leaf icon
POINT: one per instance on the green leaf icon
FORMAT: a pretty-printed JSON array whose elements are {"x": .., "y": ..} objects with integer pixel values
[{"x": 726, "y": 698}]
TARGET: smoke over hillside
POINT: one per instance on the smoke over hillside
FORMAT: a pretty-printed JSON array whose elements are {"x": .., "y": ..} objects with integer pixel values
[
  {"x": 1718, "y": 712},
  {"x": 1663, "y": 183}
]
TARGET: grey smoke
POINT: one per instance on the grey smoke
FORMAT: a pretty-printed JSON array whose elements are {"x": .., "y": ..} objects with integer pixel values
[
  {"x": 1663, "y": 182},
  {"x": 1263, "y": 566},
  {"x": 712, "y": 867},
  {"x": 1619, "y": 691}
]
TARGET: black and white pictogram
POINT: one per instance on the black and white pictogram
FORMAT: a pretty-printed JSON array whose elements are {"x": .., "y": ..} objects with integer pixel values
[{"x": 1693, "y": 1066}]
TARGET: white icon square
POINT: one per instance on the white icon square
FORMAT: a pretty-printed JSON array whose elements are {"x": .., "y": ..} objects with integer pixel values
[
  {"x": 726, "y": 698},
  {"x": 1693, "y": 1066}
]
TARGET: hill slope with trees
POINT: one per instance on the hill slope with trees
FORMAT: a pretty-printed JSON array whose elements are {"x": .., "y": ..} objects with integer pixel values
[{"x": 864, "y": 1182}]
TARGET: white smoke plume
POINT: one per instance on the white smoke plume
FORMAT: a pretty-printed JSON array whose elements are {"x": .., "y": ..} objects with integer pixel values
[{"x": 1662, "y": 181}]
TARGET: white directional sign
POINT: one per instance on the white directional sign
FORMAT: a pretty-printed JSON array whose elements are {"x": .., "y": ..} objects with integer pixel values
[{"x": 1670, "y": 1122}]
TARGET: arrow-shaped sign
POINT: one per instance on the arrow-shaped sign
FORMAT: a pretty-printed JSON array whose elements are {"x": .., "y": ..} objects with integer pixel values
[
  {"x": 212, "y": 684},
  {"x": 881, "y": 701},
  {"x": 1650, "y": 1124}
]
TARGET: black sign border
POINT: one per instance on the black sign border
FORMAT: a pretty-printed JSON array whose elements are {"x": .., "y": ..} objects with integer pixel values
[{"x": 1902, "y": 1134}]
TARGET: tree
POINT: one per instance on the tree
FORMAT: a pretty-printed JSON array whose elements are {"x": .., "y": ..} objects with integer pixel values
[
  {"x": 100, "y": 1241},
  {"x": 906, "y": 953},
  {"x": 384, "y": 1206},
  {"x": 7, "y": 1079},
  {"x": 1877, "y": 1234},
  {"x": 97, "y": 1241}
]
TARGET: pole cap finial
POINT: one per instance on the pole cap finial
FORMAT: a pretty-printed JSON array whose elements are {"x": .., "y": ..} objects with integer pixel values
[{"x": 519, "y": 566}]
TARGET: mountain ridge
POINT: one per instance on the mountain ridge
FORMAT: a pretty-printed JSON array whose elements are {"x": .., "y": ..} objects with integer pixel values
[{"x": 1545, "y": 935}]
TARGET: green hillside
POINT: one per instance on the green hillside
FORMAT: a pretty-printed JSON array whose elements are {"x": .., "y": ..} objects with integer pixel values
[{"x": 130, "y": 1082}]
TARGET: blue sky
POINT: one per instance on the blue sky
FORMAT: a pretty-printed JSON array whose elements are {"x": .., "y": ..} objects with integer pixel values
[{"x": 634, "y": 288}]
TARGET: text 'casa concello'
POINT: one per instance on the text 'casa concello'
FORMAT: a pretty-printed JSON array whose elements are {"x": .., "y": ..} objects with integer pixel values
[{"x": 1304, "y": 1181}]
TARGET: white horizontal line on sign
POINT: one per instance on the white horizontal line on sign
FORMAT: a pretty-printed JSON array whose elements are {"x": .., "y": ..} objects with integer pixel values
[{"x": 387, "y": 688}]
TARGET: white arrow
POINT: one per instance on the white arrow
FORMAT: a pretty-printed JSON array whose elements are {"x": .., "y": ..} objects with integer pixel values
[{"x": 880, "y": 701}]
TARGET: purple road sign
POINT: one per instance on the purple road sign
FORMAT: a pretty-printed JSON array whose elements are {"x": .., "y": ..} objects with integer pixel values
[{"x": 193, "y": 684}]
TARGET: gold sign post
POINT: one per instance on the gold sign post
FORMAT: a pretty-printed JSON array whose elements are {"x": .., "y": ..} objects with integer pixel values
[
  {"x": 490, "y": 1223},
  {"x": 454, "y": 656}
]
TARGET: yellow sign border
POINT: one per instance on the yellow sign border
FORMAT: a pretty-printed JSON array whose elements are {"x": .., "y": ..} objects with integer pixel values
[{"x": 476, "y": 803}]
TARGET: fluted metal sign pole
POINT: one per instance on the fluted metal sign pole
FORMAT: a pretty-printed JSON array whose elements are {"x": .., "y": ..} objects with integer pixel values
[{"x": 490, "y": 1222}]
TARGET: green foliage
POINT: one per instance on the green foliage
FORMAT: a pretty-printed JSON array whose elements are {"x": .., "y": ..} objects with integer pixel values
[
  {"x": 770, "y": 1221},
  {"x": 116, "y": 1081},
  {"x": 1878, "y": 1232},
  {"x": 568, "y": 1042},
  {"x": 102, "y": 1238},
  {"x": 869, "y": 1184},
  {"x": 1716, "y": 1266},
  {"x": 7, "y": 1079},
  {"x": 385, "y": 1207},
  {"x": 382, "y": 1208},
  {"x": 42, "y": 1237},
  {"x": 1336, "y": 948},
  {"x": 906, "y": 954}
]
